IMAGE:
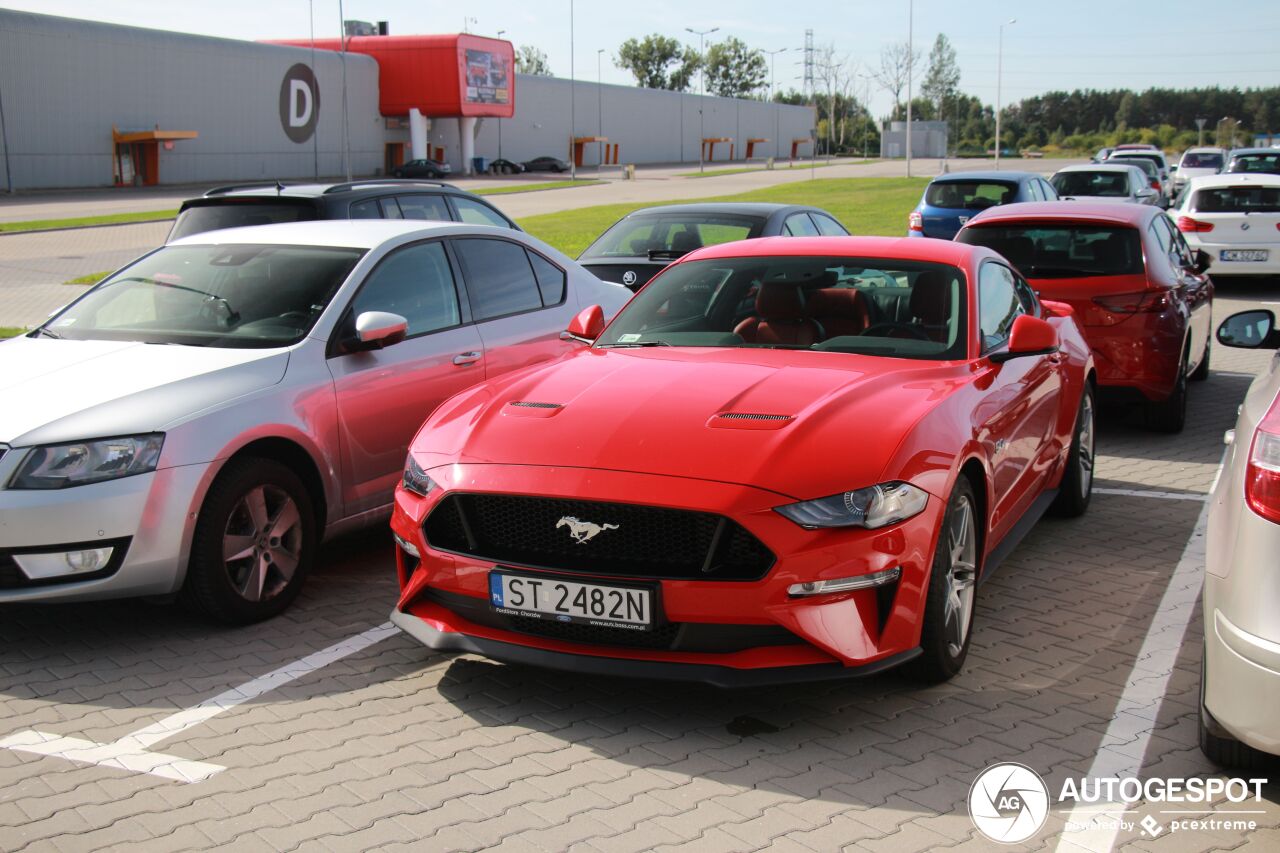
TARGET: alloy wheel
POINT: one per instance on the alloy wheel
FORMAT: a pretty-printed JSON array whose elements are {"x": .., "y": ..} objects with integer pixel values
[
  {"x": 262, "y": 542},
  {"x": 961, "y": 577},
  {"x": 1086, "y": 442}
]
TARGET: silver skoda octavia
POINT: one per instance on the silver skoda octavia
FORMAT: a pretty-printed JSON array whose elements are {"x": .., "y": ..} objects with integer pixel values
[{"x": 197, "y": 422}]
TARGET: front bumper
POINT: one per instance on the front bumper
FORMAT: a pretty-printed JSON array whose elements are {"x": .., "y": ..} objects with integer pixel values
[
  {"x": 150, "y": 515},
  {"x": 841, "y": 634}
]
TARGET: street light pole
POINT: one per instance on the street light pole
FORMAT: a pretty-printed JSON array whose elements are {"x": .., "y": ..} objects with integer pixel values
[
  {"x": 773, "y": 92},
  {"x": 999, "y": 75},
  {"x": 600, "y": 107},
  {"x": 702, "y": 68},
  {"x": 573, "y": 122},
  {"x": 911, "y": 67}
]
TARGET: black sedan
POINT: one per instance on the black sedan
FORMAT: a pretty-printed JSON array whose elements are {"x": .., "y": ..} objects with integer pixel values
[
  {"x": 422, "y": 169},
  {"x": 545, "y": 164},
  {"x": 640, "y": 244}
]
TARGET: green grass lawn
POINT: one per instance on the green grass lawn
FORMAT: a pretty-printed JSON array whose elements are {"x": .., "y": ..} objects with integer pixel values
[
  {"x": 866, "y": 206},
  {"x": 89, "y": 278},
  {"x": 10, "y": 331},
  {"x": 799, "y": 164},
  {"x": 110, "y": 219},
  {"x": 529, "y": 188}
]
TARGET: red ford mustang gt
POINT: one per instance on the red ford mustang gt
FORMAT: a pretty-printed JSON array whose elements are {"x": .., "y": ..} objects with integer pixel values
[{"x": 786, "y": 459}]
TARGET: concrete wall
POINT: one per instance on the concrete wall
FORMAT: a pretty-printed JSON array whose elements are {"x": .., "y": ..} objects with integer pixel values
[
  {"x": 928, "y": 139},
  {"x": 649, "y": 125},
  {"x": 64, "y": 82}
]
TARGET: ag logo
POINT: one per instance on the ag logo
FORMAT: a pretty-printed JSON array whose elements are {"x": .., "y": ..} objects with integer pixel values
[
  {"x": 299, "y": 103},
  {"x": 629, "y": 277},
  {"x": 1008, "y": 803}
]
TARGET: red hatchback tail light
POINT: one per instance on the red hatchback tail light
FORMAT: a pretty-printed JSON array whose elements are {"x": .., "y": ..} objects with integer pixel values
[
  {"x": 1262, "y": 477},
  {"x": 1155, "y": 183},
  {"x": 1186, "y": 223},
  {"x": 915, "y": 221},
  {"x": 1142, "y": 302}
]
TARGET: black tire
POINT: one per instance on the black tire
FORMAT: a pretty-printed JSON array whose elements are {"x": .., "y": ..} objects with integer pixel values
[
  {"x": 940, "y": 656},
  {"x": 221, "y": 588},
  {"x": 1171, "y": 415},
  {"x": 1224, "y": 750},
  {"x": 1076, "y": 489},
  {"x": 1201, "y": 373}
]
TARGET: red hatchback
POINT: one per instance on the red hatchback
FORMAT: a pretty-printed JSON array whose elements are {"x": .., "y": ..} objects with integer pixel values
[
  {"x": 1139, "y": 292},
  {"x": 786, "y": 458}
]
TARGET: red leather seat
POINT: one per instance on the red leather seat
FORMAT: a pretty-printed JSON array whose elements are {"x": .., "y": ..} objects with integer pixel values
[
  {"x": 839, "y": 311},
  {"x": 780, "y": 317}
]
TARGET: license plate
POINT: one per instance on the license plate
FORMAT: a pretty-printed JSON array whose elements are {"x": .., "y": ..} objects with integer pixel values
[
  {"x": 1244, "y": 254},
  {"x": 560, "y": 600}
]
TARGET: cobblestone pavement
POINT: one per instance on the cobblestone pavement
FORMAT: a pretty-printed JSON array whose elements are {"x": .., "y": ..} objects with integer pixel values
[{"x": 398, "y": 747}]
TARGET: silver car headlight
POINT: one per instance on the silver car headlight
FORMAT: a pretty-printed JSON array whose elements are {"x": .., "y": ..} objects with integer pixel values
[
  {"x": 416, "y": 480},
  {"x": 872, "y": 507},
  {"x": 59, "y": 466}
]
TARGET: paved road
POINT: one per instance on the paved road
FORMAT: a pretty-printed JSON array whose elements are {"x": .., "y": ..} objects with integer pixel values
[
  {"x": 33, "y": 266},
  {"x": 396, "y": 746}
]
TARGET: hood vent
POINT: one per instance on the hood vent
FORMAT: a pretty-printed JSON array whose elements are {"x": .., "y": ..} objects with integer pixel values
[
  {"x": 752, "y": 416},
  {"x": 531, "y": 409},
  {"x": 532, "y": 405},
  {"x": 749, "y": 420}
]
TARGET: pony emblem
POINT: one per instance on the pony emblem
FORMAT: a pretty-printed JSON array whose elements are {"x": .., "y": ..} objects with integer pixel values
[{"x": 583, "y": 531}]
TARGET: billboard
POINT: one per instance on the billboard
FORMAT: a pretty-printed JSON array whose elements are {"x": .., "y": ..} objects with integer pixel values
[{"x": 487, "y": 78}]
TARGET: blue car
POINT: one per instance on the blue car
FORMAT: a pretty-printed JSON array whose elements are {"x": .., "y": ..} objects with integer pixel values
[{"x": 952, "y": 200}]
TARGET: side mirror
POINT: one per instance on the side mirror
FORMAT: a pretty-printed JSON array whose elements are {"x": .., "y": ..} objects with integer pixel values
[
  {"x": 1250, "y": 330},
  {"x": 1029, "y": 336},
  {"x": 585, "y": 327},
  {"x": 379, "y": 329},
  {"x": 1202, "y": 261}
]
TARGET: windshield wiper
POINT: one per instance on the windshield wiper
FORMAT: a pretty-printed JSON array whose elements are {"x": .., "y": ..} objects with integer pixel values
[
  {"x": 635, "y": 344},
  {"x": 48, "y": 334}
]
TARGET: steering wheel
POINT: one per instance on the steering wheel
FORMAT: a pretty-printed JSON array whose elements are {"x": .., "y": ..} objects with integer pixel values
[{"x": 912, "y": 331}]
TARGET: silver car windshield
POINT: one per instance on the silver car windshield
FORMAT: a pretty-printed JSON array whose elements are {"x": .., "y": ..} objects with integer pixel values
[{"x": 241, "y": 296}]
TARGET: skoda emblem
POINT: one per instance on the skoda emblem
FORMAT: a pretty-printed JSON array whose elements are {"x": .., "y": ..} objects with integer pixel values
[
  {"x": 629, "y": 277},
  {"x": 583, "y": 531}
]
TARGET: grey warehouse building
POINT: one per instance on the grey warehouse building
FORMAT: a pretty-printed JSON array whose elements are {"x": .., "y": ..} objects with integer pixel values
[{"x": 86, "y": 104}]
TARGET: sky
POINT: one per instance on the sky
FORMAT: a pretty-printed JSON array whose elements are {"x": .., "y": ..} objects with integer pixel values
[{"x": 1052, "y": 46}]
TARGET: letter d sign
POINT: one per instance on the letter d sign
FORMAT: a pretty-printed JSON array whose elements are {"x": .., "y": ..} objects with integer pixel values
[{"x": 299, "y": 103}]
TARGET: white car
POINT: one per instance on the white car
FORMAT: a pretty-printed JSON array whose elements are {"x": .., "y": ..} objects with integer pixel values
[
  {"x": 1157, "y": 157},
  {"x": 1235, "y": 219},
  {"x": 1198, "y": 163},
  {"x": 1105, "y": 183},
  {"x": 1240, "y": 673},
  {"x": 197, "y": 422}
]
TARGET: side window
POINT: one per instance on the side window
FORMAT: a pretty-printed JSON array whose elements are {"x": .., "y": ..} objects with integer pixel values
[
  {"x": 390, "y": 209},
  {"x": 499, "y": 278},
  {"x": 1047, "y": 190},
  {"x": 827, "y": 226},
  {"x": 477, "y": 213},
  {"x": 1171, "y": 242},
  {"x": 998, "y": 304},
  {"x": 424, "y": 206},
  {"x": 416, "y": 283},
  {"x": 799, "y": 225},
  {"x": 1033, "y": 190},
  {"x": 367, "y": 209},
  {"x": 550, "y": 277},
  {"x": 1026, "y": 296},
  {"x": 1182, "y": 251}
]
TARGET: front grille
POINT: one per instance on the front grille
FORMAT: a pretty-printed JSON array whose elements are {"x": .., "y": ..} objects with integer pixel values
[
  {"x": 704, "y": 637},
  {"x": 631, "y": 540}
]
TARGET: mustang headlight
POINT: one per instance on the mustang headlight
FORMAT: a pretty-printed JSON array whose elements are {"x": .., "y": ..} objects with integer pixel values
[
  {"x": 872, "y": 507},
  {"x": 416, "y": 480},
  {"x": 58, "y": 466}
]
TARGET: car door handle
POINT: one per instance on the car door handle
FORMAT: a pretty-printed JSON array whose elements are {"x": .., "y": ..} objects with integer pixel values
[{"x": 466, "y": 358}]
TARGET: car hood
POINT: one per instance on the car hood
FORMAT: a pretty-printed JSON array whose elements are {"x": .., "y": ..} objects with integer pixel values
[
  {"x": 63, "y": 390},
  {"x": 660, "y": 411}
]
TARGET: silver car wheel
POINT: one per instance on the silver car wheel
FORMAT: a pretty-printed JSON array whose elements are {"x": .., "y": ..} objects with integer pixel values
[
  {"x": 962, "y": 574},
  {"x": 1086, "y": 439},
  {"x": 262, "y": 543}
]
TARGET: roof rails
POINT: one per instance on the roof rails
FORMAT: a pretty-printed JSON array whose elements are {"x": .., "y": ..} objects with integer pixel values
[
  {"x": 257, "y": 185},
  {"x": 403, "y": 182}
]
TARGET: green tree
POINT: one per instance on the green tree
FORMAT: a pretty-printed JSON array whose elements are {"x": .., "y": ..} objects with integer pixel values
[
  {"x": 1126, "y": 112},
  {"x": 658, "y": 62},
  {"x": 531, "y": 60},
  {"x": 942, "y": 80},
  {"x": 734, "y": 70}
]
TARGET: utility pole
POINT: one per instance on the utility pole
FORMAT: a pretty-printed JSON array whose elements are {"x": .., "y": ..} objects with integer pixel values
[
  {"x": 573, "y": 121},
  {"x": 911, "y": 67},
  {"x": 999, "y": 75},
  {"x": 702, "y": 67},
  {"x": 773, "y": 93}
]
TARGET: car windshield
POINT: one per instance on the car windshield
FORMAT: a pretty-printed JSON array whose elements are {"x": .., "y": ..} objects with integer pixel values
[
  {"x": 1142, "y": 163},
  {"x": 234, "y": 213},
  {"x": 1156, "y": 160},
  {"x": 969, "y": 195},
  {"x": 872, "y": 306},
  {"x": 1105, "y": 184},
  {"x": 1263, "y": 162},
  {"x": 671, "y": 234},
  {"x": 1207, "y": 160},
  {"x": 1062, "y": 250},
  {"x": 1236, "y": 200},
  {"x": 240, "y": 297}
]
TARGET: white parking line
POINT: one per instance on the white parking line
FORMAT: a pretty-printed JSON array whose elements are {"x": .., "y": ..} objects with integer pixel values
[
  {"x": 132, "y": 752},
  {"x": 1121, "y": 752},
  {"x": 1143, "y": 493}
]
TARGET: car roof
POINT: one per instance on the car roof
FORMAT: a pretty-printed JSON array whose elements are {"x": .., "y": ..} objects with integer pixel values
[
  {"x": 1121, "y": 214},
  {"x": 1235, "y": 179},
  {"x": 985, "y": 176},
  {"x": 1235, "y": 151},
  {"x": 898, "y": 248},
  {"x": 1096, "y": 167},
  {"x": 742, "y": 208},
  {"x": 347, "y": 233},
  {"x": 1203, "y": 149},
  {"x": 315, "y": 190}
]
